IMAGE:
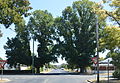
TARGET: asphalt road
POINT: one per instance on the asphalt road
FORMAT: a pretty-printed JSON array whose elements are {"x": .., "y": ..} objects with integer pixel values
[
  {"x": 55, "y": 76},
  {"x": 58, "y": 71}
]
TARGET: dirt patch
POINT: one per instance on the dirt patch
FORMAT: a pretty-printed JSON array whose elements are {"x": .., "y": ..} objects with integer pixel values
[
  {"x": 110, "y": 81},
  {"x": 4, "y": 80}
]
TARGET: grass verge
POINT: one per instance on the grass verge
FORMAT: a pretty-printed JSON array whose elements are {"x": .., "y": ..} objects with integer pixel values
[{"x": 105, "y": 80}]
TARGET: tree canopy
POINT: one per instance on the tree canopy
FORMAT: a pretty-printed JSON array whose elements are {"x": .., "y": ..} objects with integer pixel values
[
  {"x": 110, "y": 34},
  {"x": 1, "y": 58},
  {"x": 72, "y": 35},
  {"x": 18, "y": 48},
  {"x": 12, "y": 11},
  {"x": 113, "y": 13},
  {"x": 111, "y": 38},
  {"x": 76, "y": 34},
  {"x": 41, "y": 28}
]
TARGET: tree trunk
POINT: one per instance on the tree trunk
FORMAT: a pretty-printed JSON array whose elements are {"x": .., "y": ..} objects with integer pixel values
[
  {"x": 38, "y": 70},
  {"x": 77, "y": 70},
  {"x": 82, "y": 69}
]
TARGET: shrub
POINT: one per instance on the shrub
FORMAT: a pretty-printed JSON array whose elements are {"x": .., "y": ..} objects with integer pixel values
[{"x": 116, "y": 74}]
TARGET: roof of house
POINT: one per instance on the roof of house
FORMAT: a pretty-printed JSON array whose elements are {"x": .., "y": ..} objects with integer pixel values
[{"x": 106, "y": 61}]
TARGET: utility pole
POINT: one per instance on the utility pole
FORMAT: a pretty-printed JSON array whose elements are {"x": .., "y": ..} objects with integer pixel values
[
  {"x": 33, "y": 58},
  {"x": 108, "y": 70},
  {"x": 97, "y": 39}
]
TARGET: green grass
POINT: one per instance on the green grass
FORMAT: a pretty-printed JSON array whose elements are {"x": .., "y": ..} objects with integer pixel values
[{"x": 105, "y": 80}]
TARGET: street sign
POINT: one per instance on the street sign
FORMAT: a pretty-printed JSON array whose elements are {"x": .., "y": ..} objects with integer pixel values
[
  {"x": 2, "y": 63},
  {"x": 94, "y": 59}
]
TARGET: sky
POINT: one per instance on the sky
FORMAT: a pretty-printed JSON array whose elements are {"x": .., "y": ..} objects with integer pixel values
[{"x": 55, "y": 7}]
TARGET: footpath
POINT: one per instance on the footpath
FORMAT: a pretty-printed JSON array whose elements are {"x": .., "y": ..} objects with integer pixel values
[{"x": 105, "y": 79}]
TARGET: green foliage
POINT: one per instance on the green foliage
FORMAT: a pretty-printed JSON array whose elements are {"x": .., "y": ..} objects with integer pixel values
[
  {"x": 110, "y": 39},
  {"x": 64, "y": 66},
  {"x": 76, "y": 34},
  {"x": 12, "y": 11},
  {"x": 113, "y": 13},
  {"x": 41, "y": 27},
  {"x": 116, "y": 59},
  {"x": 1, "y": 58},
  {"x": 18, "y": 48},
  {"x": 116, "y": 74},
  {"x": 0, "y": 34}
]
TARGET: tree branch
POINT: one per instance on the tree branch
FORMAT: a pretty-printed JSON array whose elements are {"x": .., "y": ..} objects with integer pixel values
[{"x": 113, "y": 18}]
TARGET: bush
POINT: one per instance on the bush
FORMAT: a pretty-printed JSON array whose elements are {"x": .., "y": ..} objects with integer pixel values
[{"x": 116, "y": 74}]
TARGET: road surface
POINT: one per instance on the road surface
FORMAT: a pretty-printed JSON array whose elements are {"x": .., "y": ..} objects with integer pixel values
[{"x": 55, "y": 76}]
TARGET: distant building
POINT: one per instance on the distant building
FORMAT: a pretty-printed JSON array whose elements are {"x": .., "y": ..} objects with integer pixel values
[
  {"x": 103, "y": 65},
  {"x": 106, "y": 61},
  {"x": 7, "y": 67},
  {"x": 22, "y": 67}
]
